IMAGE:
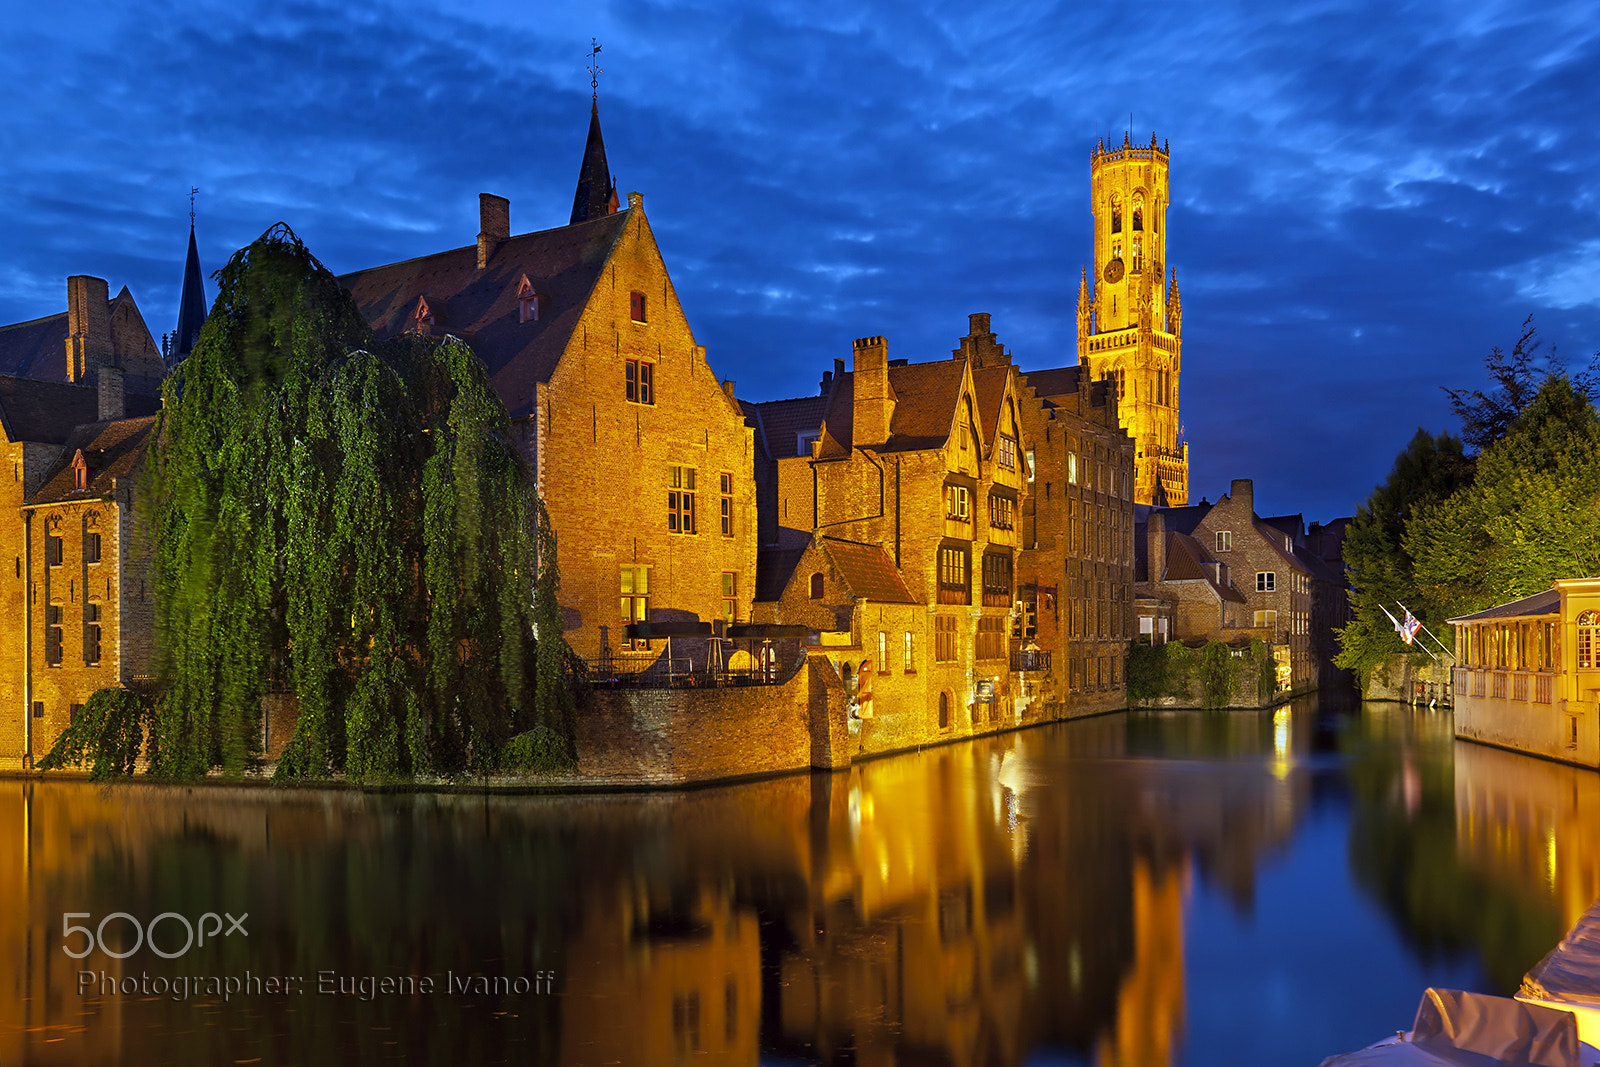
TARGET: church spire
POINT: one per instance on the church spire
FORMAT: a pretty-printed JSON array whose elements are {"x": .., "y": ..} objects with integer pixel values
[
  {"x": 192, "y": 304},
  {"x": 597, "y": 191}
]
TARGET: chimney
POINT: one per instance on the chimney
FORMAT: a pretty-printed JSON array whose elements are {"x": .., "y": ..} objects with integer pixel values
[
  {"x": 494, "y": 225},
  {"x": 111, "y": 393},
  {"x": 636, "y": 200},
  {"x": 874, "y": 400},
  {"x": 979, "y": 345},
  {"x": 727, "y": 387},
  {"x": 1242, "y": 491},
  {"x": 88, "y": 327},
  {"x": 1156, "y": 546},
  {"x": 827, "y": 381}
]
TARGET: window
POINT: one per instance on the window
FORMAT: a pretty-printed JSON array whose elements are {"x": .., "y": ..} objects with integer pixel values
[
  {"x": 1588, "y": 640},
  {"x": 527, "y": 301},
  {"x": 80, "y": 474},
  {"x": 91, "y": 634},
  {"x": 816, "y": 587},
  {"x": 52, "y": 550},
  {"x": 944, "y": 638},
  {"x": 730, "y": 597},
  {"x": 911, "y": 652},
  {"x": 680, "y": 499},
  {"x": 1029, "y": 458},
  {"x": 803, "y": 442},
  {"x": 1224, "y": 540},
  {"x": 640, "y": 377},
  {"x": 1266, "y": 620},
  {"x": 955, "y": 585},
  {"x": 883, "y": 652},
  {"x": 635, "y": 603},
  {"x": 91, "y": 546},
  {"x": 52, "y": 634},
  {"x": 996, "y": 580},
  {"x": 944, "y": 710},
  {"x": 636, "y": 306},
  {"x": 726, "y": 486},
  {"x": 1266, "y": 581},
  {"x": 1006, "y": 452},
  {"x": 957, "y": 503},
  {"x": 1072, "y": 468},
  {"x": 1116, "y": 219},
  {"x": 991, "y": 643},
  {"x": 1002, "y": 512},
  {"x": 1138, "y": 218}
]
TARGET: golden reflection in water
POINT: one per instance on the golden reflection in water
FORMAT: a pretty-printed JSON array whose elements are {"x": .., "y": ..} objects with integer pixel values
[{"x": 1530, "y": 825}]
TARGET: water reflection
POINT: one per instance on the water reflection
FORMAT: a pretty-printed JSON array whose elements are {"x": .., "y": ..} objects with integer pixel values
[{"x": 992, "y": 903}]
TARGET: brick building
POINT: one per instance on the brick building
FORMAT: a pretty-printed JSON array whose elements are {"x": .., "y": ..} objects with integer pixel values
[
  {"x": 1076, "y": 570},
  {"x": 1221, "y": 571},
  {"x": 78, "y": 391},
  {"x": 889, "y": 530},
  {"x": 641, "y": 456}
]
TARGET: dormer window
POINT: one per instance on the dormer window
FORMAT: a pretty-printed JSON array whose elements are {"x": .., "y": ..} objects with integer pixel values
[
  {"x": 636, "y": 306},
  {"x": 528, "y": 301},
  {"x": 80, "y": 471},
  {"x": 422, "y": 317}
]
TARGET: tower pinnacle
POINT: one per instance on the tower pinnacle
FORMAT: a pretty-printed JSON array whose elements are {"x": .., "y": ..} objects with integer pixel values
[{"x": 192, "y": 302}]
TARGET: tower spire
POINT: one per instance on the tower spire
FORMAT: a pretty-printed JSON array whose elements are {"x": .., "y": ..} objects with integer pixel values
[
  {"x": 192, "y": 303},
  {"x": 596, "y": 194}
]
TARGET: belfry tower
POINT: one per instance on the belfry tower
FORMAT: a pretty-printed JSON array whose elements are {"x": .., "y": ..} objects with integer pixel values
[{"x": 1130, "y": 322}]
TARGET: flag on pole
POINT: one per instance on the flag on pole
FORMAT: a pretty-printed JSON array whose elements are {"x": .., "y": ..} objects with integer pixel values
[{"x": 1408, "y": 629}]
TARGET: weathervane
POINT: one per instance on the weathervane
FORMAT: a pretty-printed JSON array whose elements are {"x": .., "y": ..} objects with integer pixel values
[
  {"x": 594, "y": 69},
  {"x": 192, "y": 190}
]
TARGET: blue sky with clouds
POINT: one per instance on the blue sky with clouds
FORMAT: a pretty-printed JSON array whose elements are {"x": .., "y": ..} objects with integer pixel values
[{"x": 1365, "y": 196}]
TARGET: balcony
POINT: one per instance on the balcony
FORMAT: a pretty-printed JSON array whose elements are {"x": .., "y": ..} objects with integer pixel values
[{"x": 1030, "y": 659}]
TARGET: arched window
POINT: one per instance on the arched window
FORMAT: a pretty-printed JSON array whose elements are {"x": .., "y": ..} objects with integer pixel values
[
  {"x": 1116, "y": 215},
  {"x": 1588, "y": 640},
  {"x": 816, "y": 587},
  {"x": 944, "y": 711},
  {"x": 1138, "y": 218}
]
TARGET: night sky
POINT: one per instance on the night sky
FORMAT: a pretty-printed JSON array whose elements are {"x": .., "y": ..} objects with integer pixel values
[{"x": 1365, "y": 197}]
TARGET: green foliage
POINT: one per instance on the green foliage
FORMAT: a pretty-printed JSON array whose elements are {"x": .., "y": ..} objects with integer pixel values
[
  {"x": 1219, "y": 675},
  {"x": 1147, "y": 671},
  {"x": 538, "y": 751},
  {"x": 109, "y": 732},
  {"x": 1381, "y": 568},
  {"x": 344, "y": 520},
  {"x": 1266, "y": 670},
  {"x": 1531, "y": 515}
]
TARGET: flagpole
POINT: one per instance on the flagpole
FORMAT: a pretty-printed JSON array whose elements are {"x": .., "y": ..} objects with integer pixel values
[{"x": 1430, "y": 633}]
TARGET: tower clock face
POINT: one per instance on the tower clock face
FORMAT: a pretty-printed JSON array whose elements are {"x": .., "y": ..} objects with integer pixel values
[{"x": 1114, "y": 271}]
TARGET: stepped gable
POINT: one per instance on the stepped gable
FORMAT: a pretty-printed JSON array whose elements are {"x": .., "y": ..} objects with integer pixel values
[
  {"x": 563, "y": 265},
  {"x": 112, "y": 450},
  {"x": 867, "y": 571}
]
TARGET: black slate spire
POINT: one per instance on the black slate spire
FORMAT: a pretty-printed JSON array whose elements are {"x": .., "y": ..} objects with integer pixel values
[
  {"x": 191, "y": 305},
  {"x": 597, "y": 192}
]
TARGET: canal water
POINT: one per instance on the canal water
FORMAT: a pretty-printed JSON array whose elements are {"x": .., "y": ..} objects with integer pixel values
[{"x": 1140, "y": 888}]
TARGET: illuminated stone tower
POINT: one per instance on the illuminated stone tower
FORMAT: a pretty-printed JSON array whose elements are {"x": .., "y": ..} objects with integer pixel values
[{"x": 1130, "y": 322}]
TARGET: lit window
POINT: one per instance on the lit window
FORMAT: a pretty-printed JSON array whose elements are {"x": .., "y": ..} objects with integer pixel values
[
  {"x": 1006, "y": 452},
  {"x": 636, "y": 306},
  {"x": 955, "y": 585},
  {"x": 730, "y": 599},
  {"x": 911, "y": 652},
  {"x": 1588, "y": 640},
  {"x": 883, "y": 652},
  {"x": 1266, "y": 620},
  {"x": 640, "y": 379},
  {"x": 1072, "y": 468},
  {"x": 1266, "y": 581},
  {"x": 957, "y": 503},
  {"x": 635, "y": 603},
  {"x": 680, "y": 499},
  {"x": 727, "y": 504},
  {"x": 1224, "y": 540}
]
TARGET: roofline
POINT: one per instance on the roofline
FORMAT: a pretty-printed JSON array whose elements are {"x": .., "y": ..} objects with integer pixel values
[{"x": 463, "y": 248}]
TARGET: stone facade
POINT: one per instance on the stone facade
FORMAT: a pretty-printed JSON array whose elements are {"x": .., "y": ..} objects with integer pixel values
[
  {"x": 1130, "y": 318},
  {"x": 894, "y": 500},
  {"x": 641, "y": 455},
  {"x": 1076, "y": 567},
  {"x": 78, "y": 614}
]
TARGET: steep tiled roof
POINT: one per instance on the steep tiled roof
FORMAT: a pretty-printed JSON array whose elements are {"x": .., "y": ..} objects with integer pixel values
[
  {"x": 113, "y": 450},
  {"x": 779, "y": 423},
  {"x": 867, "y": 571},
  {"x": 925, "y": 404},
  {"x": 1186, "y": 562},
  {"x": 36, "y": 349},
  {"x": 1274, "y": 537},
  {"x": 774, "y": 566},
  {"x": 1546, "y": 602},
  {"x": 1184, "y": 520},
  {"x": 1058, "y": 381},
  {"x": 990, "y": 385},
  {"x": 563, "y": 265},
  {"x": 33, "y": 410}
]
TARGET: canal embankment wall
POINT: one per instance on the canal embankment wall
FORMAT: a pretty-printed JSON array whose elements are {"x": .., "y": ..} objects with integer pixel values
[{"x": 1409, "y": 678}]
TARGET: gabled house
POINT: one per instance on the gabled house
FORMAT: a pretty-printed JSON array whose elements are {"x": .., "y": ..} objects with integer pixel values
[
  {"x": 640, "y": 454},
  {"x": 77, "y": 401},
  {"x": 890, "y": 507}
]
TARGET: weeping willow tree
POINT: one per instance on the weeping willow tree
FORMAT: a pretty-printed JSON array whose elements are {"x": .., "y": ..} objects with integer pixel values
[{"x": 347, "y": 522}]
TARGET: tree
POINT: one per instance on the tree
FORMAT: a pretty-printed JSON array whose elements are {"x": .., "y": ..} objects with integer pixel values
[
  {"x": 1532, "y": 514},
  {"x": 345, "y": 521},
  {"x": 1429, "y": 471}
]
